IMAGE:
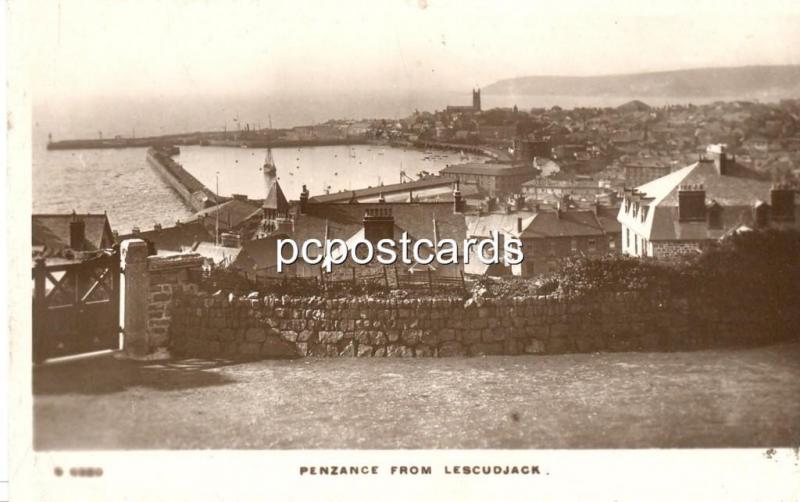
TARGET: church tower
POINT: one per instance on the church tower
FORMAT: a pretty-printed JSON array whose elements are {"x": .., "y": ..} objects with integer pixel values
[{"x": 476, "y": 100}]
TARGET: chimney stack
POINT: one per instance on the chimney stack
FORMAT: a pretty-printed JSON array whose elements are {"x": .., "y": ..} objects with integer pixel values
[
  {"x": 378, "y": 224},
  {"x": 303, "y": 200},
  {"x": 519, "y": 202},
  {"x": 284, "y": 225},
  {"x": 761, "y": 214},
  {"x": 458, "y": 201},
  {"x": 782, "y": 202},
  {"x": 720, "y": 157},
  {"x": 230, "y": 240},
  {"x": 77, "y": 233},
  {"x": 691, "y": 203}
]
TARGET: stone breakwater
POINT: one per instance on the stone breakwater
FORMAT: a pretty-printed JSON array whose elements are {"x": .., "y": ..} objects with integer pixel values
[{"x": 207, "y": 325}]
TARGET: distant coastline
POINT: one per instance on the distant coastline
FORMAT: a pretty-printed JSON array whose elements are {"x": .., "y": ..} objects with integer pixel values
[{"x": 745, "y": 82}]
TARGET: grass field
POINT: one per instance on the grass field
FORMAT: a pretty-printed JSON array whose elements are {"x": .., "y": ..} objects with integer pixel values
[{"x": 719, "y": 398}]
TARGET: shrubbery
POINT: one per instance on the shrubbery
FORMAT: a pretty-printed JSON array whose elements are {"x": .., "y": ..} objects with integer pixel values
[{"x": 763, "y": 264}]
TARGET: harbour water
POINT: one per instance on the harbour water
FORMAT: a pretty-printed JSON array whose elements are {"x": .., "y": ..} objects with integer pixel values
[
  {"x": 122, "y": 183},
  {"x": 334, "y": 168}
]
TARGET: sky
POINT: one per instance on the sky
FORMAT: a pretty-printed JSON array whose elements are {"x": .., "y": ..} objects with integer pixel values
[{"x": 193, "y": 47}]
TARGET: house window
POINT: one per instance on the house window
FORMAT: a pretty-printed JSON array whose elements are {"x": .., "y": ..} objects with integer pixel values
[
  {"x": 636, "y": 240},
  {"x": 612, "y": 244},
  {"x": 552, "y": 250},
  {"x": 573, "y": 244},
  {"x": 627, "y": 237},
  {"x": 592, "y": 246}
]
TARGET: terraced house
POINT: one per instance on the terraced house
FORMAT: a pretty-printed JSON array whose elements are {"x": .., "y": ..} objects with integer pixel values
[{"x": 686, "y": 210}]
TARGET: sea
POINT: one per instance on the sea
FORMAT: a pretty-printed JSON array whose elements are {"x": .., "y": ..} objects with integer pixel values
[{"x": 121, "y": 183}]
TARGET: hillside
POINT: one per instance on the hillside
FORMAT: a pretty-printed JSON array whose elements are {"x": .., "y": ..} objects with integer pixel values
[{"x": 733, "y": 82}]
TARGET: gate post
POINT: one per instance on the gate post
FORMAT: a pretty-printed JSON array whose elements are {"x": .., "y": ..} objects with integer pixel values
[
  {"x": 39, "y": 309},
  {"x": 137, "y": 287}
]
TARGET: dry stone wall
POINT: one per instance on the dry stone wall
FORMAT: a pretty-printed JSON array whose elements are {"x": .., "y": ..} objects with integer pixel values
[{"x": 220, "y": 325}]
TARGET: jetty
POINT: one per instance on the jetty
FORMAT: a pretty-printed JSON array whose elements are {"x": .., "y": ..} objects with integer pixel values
[
  {"x": 190, "y": 189},
  {"x": 199, "y": 138}
]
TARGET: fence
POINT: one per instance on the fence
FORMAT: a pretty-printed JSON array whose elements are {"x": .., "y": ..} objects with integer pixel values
[{"x": 368, "y": 279}]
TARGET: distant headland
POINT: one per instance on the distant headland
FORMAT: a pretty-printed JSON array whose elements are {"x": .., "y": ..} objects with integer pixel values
[{"x": 733, "y": 82}]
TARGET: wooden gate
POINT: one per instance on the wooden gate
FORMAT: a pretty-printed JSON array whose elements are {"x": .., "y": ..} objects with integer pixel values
[{"x": 76, "y": 306}]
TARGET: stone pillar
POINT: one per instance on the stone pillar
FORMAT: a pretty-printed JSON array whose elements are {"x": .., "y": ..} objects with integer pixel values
[{"x": 137, "y": 289}]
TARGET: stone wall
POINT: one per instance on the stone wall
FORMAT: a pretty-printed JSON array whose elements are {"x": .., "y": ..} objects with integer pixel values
[
  {"x": 167, "y": 276},
  {"x": 673, "y": 249},
  {"x": 226, "y": 326}
]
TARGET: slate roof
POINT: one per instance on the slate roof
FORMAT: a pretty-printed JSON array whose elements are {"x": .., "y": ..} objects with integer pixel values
[
  {"x": 344, "y": 220},
  {"x": 52, "y": 231},
  {"x": 259, "y": 254},
  {"x": 276, "y": 199},
  {"x": 570, "y": 223},
  {"x": 433, "y": 181},
  {"x": 481, "y": 225},
  {"x": 177, "y": 238},
  {"x": 231, "y": 214},
  {"x": 607, "y": 217},
  {"x": 489, "y": 169},
  {"x": 735, "y": 192}
]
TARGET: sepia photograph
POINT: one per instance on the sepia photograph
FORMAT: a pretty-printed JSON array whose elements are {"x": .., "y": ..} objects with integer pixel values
[{"x": 263, "y": 226}]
